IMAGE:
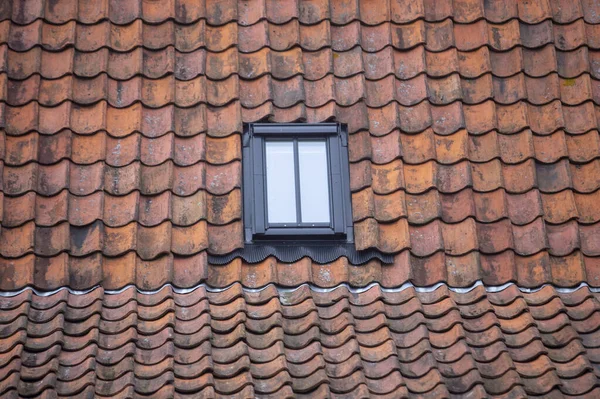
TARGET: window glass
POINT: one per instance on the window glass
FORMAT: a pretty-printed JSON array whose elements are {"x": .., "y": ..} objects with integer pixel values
[
  {"x": 281, "y": 186},
  {"x": 314, "y": 184}
]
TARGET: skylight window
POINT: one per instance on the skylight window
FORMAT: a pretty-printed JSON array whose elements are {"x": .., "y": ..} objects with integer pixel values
[{"x": 296, "y": 182}]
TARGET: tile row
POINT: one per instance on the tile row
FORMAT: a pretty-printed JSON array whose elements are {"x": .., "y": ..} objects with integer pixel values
[
  {"x": 418, "y": 209},
  {"x": 49, "y": 180},
  {"x": 436, "y": 36},
  {"x": 412, "y": 148},
  {"x": 150, "y": 242},
  {"x": 157, "y": 93},
  {"x": 332, "y": 342},
  {"x": 312, "y": 65},
  {"x": 312, "y": 12},
  {"x": 115, "y": 272},
  {"x": 443, "y": 119}
]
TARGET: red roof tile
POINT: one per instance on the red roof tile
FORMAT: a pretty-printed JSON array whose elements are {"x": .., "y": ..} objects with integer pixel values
[
  {"x": 236, "y": 341},
  {"x": 474, "y": 152}
]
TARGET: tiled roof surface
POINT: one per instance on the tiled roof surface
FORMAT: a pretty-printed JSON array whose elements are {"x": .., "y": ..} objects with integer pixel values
[
  {"x": 474, "y": 142},
  {"x": 475, "y": 157},
  {"x": 305, "y": 343}
]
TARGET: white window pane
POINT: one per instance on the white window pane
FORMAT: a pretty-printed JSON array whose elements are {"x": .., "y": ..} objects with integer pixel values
[
  {"x": 314, "y": 184},
  {"x": 281, "y": 187}
]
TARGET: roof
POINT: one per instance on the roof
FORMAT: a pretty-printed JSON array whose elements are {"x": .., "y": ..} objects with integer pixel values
[
  {"x": 474, "y": 159},
  {"x": 301, "y": 342}
]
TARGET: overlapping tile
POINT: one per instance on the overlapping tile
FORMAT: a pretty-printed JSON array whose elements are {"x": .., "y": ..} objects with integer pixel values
[
  {"x": 474, "y": 140},
  {"x": 236, "y": 342}
]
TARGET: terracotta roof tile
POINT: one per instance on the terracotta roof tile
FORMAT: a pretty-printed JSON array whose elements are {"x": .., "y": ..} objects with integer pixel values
[{"x": 474, "y": 154}]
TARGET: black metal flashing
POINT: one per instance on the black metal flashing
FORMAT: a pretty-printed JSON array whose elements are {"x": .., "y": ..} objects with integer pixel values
[{"x": 292, "y": 252}]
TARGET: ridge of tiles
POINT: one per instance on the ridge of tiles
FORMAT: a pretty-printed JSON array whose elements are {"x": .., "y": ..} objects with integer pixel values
[
  {"x": 301, "y": 343},
  {"x": 474, "y": 144}
]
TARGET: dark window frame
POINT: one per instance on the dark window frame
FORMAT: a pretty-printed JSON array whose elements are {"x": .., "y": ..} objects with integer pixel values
[{"x": 256, "y": 227}]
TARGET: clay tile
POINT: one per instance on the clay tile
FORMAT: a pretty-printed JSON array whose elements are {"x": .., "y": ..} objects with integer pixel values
[
  {"x": 254, "y": 37},
  {"x": 122, "y": 151},
  {"x": 579, "y": 119},
  {"x": 189, "y": 240},
  {"x": 87, "y": 239},
  {"x": 553, "y": 177},
  {"x": 484, "y": 148},
  {"x": 440, "y": 64},
  {"x": 480, "y": 118},
  {"x": 153, "y": 273},
  {"x": 119, "y": 211},
  {"x": 124, "y": 13},
  {"x": 587, "y": 207},
  {"x": 321, "y": 92},
  {"x": 539, "y": 62},
  {"x": 572, "y": 63},
  {"x": 440, "y": 35},
  {"x": 495, "y": 237},
  {"x": 375, "y": 38},
  {"x": 92, "y": 64},
  {"x": 543, "y": 90},
  {"x": 589, "y": 243},
  {"x": 419, "y": 178},
  {"x": 437, "y": 11},
  {"x": 118, "y": 181},
  {"x": 348, "y": 63},
  {"x": 52, "y": 240},
  {"x": 498, "y": 268},
  {"x": 519, "y": 178},
  {"x": 224, "y": 239},
  {"x": 415, "y": 119},
  {"x": 84, "y": 91},
  {"x": 21, "y": 65},
  {"x": 460, "y": 238},
  {"x": 447, "y": 119},
  {"x": 21, "y": 149},
  {"x": 534, "y": 13},
  {"x": 418, "y": 148},
  {"x": 491, "y": 206},
  {"x": 282, "y": 37},
  {"x": 224, "y": 209},
  {"x": 524, "y": 208},
  {"x": 50, "y": 273},
  {"x": 408, "y": 36},
  {"x": 549, "y": 149},
  {"x": 53, "y": 178},
  {"x": 516, "y": 148},
  {"x": 18, "y": 210},
  {"x": 568, "y": 270},
  {"x": 313, "y": 11},
  {"x": 571, "y": 36},
  {"x": 444, "y": 90},
  {"x": 471, "y": 36},
  {"x": 23, "y": 38},
  {"x": 546, "y": 119},
  {"x": 533, "y": 270},
  {"x": 585, "y": 176},
  {"x": 458, "y": 206},
  {"x": 344, "y": 12},
  {"x": 504, "y": 36},
  {"x": 426, "y": 239},
  {"x": 84, "y": 180},
  {"x": 315, "y": 37},
  {"x": 84, "y": 210},
  {"x": 531, "y": 238},
  {"x": 478, "y": 90},
  {"x": 452, "y": 178},
  {"x": 533, "y": 36},
  {"x": 501, "y": 11},
  {"x": 563, "y": 238},
  {"x": 559, "y": 207},
  {"x": 48, "y": 210},
  {"x": 119, "y": 240}
]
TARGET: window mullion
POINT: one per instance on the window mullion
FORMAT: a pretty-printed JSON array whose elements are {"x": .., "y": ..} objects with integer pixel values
[{"x": 297, "y": 182}]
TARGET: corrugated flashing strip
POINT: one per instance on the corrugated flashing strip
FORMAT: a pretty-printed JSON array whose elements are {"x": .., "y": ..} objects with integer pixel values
[
  {"x": 320, "y": 253},
  {"x": 312, "y": 287}
]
